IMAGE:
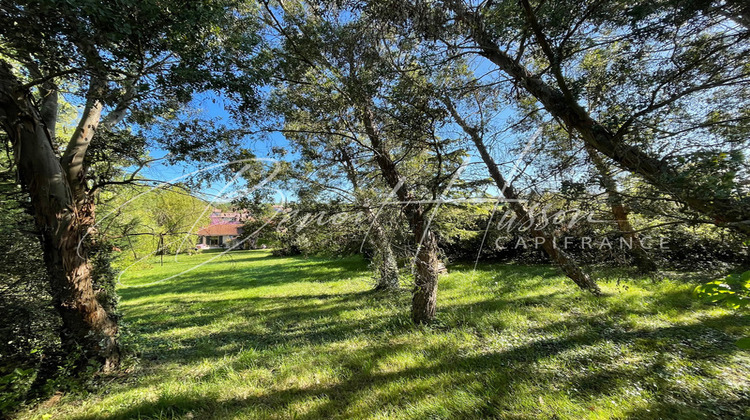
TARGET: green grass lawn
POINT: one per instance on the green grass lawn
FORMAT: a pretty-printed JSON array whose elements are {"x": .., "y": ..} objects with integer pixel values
[{"x": 253, "y": 336}]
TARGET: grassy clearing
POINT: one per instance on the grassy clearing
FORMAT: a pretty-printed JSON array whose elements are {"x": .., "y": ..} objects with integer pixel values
[{"x": 252, "y": 336}]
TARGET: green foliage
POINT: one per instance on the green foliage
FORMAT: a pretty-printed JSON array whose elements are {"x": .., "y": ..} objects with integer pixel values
[
  {"x": 715, "y": 173},
  {"x": 733, "y": 291},
  {"x": 260, "y": 229},
  {"x": 133, "y": 39},
  {"x": 28, "y": 330},
  {"x": 13, "y": 387},
  {"x": 111, "y": 152},
  {"x": 133, "y": 218},
  {"x": 104, "y": 277},
  {"x": 319, "y": 229}
]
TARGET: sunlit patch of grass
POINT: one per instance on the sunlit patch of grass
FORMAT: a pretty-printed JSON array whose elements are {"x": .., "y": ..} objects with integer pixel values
[{"x": 252, "y": 336}]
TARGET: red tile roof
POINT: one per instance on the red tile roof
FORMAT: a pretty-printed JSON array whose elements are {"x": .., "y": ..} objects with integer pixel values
[{"x": 221, "y": 230}]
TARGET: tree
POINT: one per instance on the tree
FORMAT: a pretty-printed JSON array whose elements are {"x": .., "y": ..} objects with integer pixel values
[
  {"x": 620, "y": 212},
  {"x": 146, "y": 220},
  {"x": 128, "y": 62},
  {"x": 669, "y": 58},
  {"x": 334, "y": 171},
  {"x": 377, "y": 106},
  {"x": 564, "y": 156},
  {"x": 559, "y": 256},
  {"x": 27, "y": 333},
  {"x": 333, "y": 168}
]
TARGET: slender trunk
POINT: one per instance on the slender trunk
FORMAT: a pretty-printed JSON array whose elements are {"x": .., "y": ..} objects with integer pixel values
[
  {"x": 88, "y": 331},
  {"x": 621, "y": 215},
  {"x": 385, "y": 259},
  {"x": 560, "y": 257},
  {"x": 75, "y": 152},
  {"x": 48, "y": 103},
  {"x": 387, "y": 269},
  {"x": 424, "y": 296},
  {"x": 388, "y": 276},
  {"x": 724, "y": 211},
  {"x": 135, "y": 256}
]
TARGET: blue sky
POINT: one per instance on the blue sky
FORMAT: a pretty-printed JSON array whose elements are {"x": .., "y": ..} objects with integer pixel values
[
  {"x": 214, "y": 106},
  {"x": 211, "y": 106}
]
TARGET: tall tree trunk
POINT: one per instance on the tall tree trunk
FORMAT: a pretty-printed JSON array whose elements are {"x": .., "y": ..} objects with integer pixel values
[
  {"x": 87, "y": 329},
  {"x": 385, "y": 259},
  {"x": 386, "y": 263},
  {"x": 424, "y": 296},
  {"x": 560, "y": 257},
  {"x": 621, "y": 214},
  {"x": 426, "y": 271},
  {"x": 660, "y": 173},
  {"x": 388, "y": 276}
]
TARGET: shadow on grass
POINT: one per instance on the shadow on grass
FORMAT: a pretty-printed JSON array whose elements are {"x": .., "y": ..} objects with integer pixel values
[
  {"x": 496, "y": 372},
  {"x": 497, "y": 375},
  {"x": 240, "y": 277}
]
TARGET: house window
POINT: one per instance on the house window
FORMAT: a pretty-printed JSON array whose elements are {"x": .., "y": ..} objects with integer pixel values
[{"x": 214, "y": 240}]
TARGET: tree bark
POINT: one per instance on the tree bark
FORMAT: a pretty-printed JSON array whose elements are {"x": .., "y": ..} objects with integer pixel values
[
  {"x": 560, "y": 257},
  {"x": 386, "y": 263},
  {"x": 621, "y": 214},
  {"x": 75, "y": 152},
  {"x": 385, "y": 259},
  {"x": 424, "y": 296},
  {"x": 88, "y": 332},
  {"x": 48, "y": 101},
  {"x": 427, "y": 269},
  {"x": 725, "y": 212}
]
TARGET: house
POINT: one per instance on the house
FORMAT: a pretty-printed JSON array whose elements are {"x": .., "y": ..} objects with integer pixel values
[
  {"x": 225, "y": 229},
  {"x": 223, "y": 235}
]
